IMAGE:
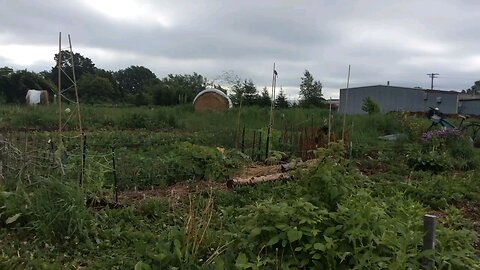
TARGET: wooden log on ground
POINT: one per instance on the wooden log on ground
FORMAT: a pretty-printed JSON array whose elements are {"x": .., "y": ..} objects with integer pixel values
[
  {"x": 233, "y": 183},
  {"x": 290, "y": 166}
]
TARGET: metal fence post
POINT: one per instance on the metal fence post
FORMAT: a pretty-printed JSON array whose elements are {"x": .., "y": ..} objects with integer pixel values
[
  {"x": 429, "y": 239},
  {"x": 114, "y": 175}
]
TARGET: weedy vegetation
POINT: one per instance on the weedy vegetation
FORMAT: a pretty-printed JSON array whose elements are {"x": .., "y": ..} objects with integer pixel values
[{"x": 360, "y": 206}]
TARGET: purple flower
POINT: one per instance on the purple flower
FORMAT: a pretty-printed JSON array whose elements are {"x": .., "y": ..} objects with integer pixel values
[{"x": 441, "y": 134}]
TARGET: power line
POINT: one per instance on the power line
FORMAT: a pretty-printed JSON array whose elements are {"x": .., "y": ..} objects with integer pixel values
[{"x": 433, "y": 76}]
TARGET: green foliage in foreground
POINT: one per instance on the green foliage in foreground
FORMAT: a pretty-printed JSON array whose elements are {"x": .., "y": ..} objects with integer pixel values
[
  {"x": 54, "y": 212},
  {"x": 360, "y": 213},
  {"x": 330, "y": 217}
]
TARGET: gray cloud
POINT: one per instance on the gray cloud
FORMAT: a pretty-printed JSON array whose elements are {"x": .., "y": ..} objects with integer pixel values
[{"x": 382, "y": 40}]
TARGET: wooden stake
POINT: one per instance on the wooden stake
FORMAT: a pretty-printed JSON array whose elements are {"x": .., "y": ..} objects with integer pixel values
[
  {"x": 259, "y": 145},
  {"x": 243, "y": 140},
  {"x": 60, "y": 82},
  {"x": 345, "y": 105},
  {"x": 253, "y": 144},
  {"x": 114, "y": 175},
  {"x": 237, "y": 130},
  {"x": 329, "y": 121},
  {"x": 75, "y": 86},
  {"x": 270, "y": 124}
]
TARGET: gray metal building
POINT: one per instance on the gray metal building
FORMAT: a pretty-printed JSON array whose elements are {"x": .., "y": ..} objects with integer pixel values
[
  {"x": 469, "y": 105},
  {"x": 394, "y": 98}
]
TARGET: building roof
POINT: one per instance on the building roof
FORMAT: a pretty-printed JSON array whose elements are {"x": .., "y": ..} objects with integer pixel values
[
  {"x": 402, "y": 88},
  {"x": 464, "y": 97}
]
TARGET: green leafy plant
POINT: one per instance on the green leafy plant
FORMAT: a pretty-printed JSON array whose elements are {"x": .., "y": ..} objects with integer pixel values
[
  {"x": 327, "y": 183},
  {"x": 433, "y": 161},
  {"x": 191, "y": 161},
  {"x": 285, "y": 235},
  {"x": 369, "y": 106}
]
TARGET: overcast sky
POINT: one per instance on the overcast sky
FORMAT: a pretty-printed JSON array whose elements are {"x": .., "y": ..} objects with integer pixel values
[{"x": 382, "y": 40}]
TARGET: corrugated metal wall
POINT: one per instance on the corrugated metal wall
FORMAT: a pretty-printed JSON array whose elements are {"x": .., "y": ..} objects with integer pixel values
[
  {"x": 471, "y": 107},
  {"x": 392, "y": 98}
]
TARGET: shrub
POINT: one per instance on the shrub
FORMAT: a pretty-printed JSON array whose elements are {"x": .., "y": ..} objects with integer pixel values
[
  {"x": 137, "y": 120},
  {"x": 365, "y": 232},
  {"x": 191, "y": 161},
  {"x": 433, "y": 161},
  {"x": 369, "y": 106},
  {"x": 328, "y": 182},
  {"x": 295, "y": 229},
  {"x": 452, "y": 146}
]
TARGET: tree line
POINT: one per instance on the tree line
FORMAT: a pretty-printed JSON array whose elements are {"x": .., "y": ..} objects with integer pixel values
[{"x": 138, "y": 85}]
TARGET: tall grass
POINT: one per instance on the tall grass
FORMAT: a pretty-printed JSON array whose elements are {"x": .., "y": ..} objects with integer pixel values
[{"x": 54, "y": 211}]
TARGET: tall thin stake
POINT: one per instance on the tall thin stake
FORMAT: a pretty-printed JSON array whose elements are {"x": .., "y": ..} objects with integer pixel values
[
  {"x": 75, "y": 86},
  {"x": 345, "y": 105},
  {"x": 114, "y": 175},
  {"x": 84, "y": 157},
  {"x": 83, "y": 137},
  {"x": 59, "y": 82},
  {"x": 253, "y": 144},
  {"x": 243, "y": 140},
  {"x": 429, "y": 222},
  {"x": 237, "y": 130},
  {"x": 259, "y": 145},
  {"x": 270, "y": 124},
  {"x": 272, "y": 105},
  {"x": 329, "y": 121}
]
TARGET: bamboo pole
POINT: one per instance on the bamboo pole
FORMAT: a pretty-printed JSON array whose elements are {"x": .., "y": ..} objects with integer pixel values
[
  {"x": 75, "y": 86},
  {"x": 329, "y": 121},
  {"x": 272, "y": 106},
  {"x": 345, "y": 105},
  {"x": 237, "y": 130},
  {"x": 59, "y": 82}
]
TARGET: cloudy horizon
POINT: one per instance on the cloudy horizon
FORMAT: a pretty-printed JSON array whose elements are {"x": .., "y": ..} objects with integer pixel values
[{"x": 383, "y": 41}]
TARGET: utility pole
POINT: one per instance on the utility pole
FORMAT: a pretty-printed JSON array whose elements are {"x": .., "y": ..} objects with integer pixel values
[{"x": 433, "y": 76}]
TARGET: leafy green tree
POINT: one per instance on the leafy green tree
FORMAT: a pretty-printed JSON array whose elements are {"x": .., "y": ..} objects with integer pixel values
[
  {"x": 185, "y": 86},
  {"x": 474, "y": 90},
  {"x": 219, "y": 87},
  {"x": 134, "y": 79},
  {"x": 310, "y": 91},
  {"x": 83, "y": 65},
  {"x": 264, "y": 100},
  {"x": 163, "y": 95},
  {"x": 17, "y": 83},
  {"x": 142, "y": 99},
  {"x": 96, "y": 89},
  {"x": 250, "y": 92},
  {"x": 246, "y": 92},
  {"x": 236, "y": 95},
  {"x": 281, "y": 100},
  {"x": 5, "y": 71},
  {"x": 177, "y": 89},
  {"x": 369, "y": 106}
]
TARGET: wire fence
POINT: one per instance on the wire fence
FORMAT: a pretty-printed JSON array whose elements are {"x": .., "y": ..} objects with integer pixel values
[{"x": 144, "y": 163}]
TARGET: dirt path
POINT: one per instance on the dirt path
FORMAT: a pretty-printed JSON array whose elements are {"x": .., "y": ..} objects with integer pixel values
[{"x": 180, "y": 190}]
